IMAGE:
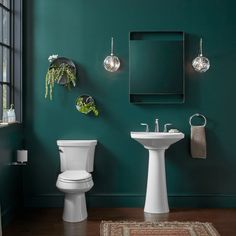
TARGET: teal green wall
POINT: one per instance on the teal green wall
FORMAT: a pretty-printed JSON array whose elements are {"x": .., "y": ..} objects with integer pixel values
[
  {"x": 10, "y": 176},
  {"x": 81, "y": 30}
]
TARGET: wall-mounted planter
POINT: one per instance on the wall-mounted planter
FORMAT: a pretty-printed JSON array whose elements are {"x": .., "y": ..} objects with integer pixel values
[
  {"x": 61, "y": 71},
  {"x": 85, "y": 104}
]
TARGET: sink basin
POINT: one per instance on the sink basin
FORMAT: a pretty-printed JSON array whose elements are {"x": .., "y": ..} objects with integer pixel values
[
  {"x": 159, "y": 140},
  {"x": 156, "y": 142}
]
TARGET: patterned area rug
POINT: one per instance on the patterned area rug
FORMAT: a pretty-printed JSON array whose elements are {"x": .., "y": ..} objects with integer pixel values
[{"x": 129, "y": 228}]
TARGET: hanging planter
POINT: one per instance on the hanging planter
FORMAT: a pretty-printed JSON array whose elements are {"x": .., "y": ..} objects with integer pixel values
[
  {"x": 85, "y": 104},
  {"x": 61, "y": 71}
]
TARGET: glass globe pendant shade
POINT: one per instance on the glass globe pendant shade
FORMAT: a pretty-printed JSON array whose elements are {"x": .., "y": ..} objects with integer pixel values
[
  {"x": 201, "y": 64},
  {"x": 111, "y": 63}
]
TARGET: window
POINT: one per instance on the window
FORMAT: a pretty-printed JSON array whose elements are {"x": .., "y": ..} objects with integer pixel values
[{"x": 10, "y": 55}]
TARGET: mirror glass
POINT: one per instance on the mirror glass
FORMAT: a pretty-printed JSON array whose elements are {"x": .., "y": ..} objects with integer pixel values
[{"x": 157, "y": 67}]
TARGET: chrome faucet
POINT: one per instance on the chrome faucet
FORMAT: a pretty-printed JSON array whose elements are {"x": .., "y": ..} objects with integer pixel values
[
  {"x": 147, "y": 128},
  {"x": 165, "y": 127},
  {"x": 156, "y": 125}
]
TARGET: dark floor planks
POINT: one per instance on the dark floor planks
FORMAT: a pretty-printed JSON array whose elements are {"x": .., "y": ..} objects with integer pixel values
[{"x": 47, "y": 222}]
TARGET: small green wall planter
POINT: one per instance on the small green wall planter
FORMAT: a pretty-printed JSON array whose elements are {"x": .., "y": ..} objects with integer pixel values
[{"x": 86, "y": 104}]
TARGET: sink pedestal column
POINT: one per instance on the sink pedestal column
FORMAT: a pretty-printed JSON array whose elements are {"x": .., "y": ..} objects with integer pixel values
[{"x": 156, "y": 194}]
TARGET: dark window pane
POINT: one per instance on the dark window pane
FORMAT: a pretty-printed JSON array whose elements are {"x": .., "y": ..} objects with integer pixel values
[
  {"x": 1, "y": 24},
  {"x": 1, "y": 110},
  {"x": 10, "y": 53},
  {"x": 6, "y": 65},
  {"x": 1, "y": 67},
  {"x": 5, "y": 96},
  {"x": 6, "y": 27},
  {"x": 6, "y": 3}
]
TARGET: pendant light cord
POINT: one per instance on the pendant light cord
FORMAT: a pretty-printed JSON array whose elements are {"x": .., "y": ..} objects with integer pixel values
[
  {"x": 200, "y": 46},
  {"x": 111, "y": 46}
]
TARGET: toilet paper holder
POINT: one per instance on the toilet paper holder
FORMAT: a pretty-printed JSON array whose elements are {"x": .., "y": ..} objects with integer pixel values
[
  {"x": 22, "y": 158},
  {"x": 15, "y": 163}
]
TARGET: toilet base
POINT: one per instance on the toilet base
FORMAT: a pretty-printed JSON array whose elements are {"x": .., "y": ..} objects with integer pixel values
[{"x": 75, "y": 209}]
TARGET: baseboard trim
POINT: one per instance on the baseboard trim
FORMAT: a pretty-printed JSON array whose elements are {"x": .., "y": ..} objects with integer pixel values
[
  {"x": 44, "y": 200},
  {"x": 137, "y": 200}
]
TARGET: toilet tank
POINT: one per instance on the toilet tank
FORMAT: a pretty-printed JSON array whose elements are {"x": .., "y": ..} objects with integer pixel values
[{"x": 77, "y": 154}]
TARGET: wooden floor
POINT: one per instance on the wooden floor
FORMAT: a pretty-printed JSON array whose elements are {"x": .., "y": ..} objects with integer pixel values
[{"x": 48, "y": 222}]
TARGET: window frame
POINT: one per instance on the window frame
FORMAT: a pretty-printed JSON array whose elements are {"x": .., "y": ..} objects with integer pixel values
[{"x": 15, "y": 58}]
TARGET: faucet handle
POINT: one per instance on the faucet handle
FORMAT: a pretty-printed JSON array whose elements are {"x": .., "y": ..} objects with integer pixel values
[
  {"x": 165, "y": 127},
  {"x": 147, "y": 128}
]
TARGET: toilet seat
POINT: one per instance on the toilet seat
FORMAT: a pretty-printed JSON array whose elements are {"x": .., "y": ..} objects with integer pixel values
[{"x": 75, "y": 176}]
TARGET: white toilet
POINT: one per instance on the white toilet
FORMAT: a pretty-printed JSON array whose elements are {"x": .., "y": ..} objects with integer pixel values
[{"x": 76, "y": 159}]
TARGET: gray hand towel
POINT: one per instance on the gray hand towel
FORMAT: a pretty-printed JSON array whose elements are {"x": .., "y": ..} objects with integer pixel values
[{"x": 198, "y": 142}]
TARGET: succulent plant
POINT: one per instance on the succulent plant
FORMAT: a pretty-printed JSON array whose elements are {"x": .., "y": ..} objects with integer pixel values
[
  {"x": 59, "y": 72},
  {"x": 85, "y": 105}
]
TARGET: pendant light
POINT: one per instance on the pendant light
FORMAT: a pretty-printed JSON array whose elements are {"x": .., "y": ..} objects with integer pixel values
[
  {"x": 111, "y": 63},
  {"x": 200, "y": 63}
]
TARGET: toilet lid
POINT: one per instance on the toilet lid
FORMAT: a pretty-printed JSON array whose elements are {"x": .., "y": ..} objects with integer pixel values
[{"x": 75, "y": 175}]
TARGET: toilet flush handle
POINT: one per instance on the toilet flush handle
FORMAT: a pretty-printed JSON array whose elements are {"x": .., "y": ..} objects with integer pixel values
[{"x": 60, "y": 151}]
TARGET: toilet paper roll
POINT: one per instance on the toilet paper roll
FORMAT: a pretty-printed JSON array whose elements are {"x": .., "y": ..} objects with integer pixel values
[{"x": 22, "y": 155}]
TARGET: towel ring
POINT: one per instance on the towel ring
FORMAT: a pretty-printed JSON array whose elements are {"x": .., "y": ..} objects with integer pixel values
[{"x": 199, "y": 115}]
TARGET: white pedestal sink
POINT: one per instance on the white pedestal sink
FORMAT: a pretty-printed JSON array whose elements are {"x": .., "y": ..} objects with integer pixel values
[{"x": 156, "y": 143}]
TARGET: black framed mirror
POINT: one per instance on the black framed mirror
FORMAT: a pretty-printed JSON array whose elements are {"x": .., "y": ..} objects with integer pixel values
[{"x": 156, "y": 67}]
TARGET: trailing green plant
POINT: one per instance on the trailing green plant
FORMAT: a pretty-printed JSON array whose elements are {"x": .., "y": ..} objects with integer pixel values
[
  {"x": 54, "y": 75},
  {"x": 86, "y": 107}
]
